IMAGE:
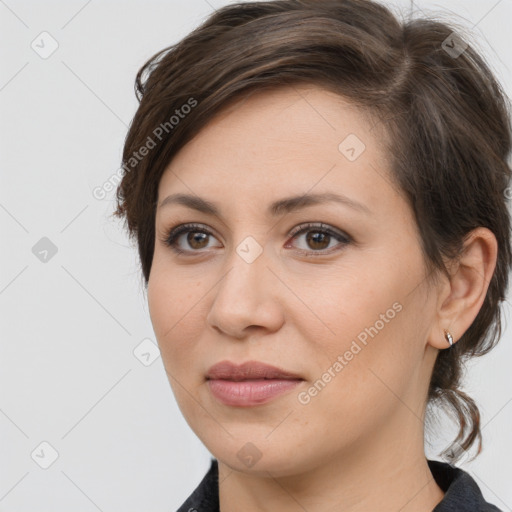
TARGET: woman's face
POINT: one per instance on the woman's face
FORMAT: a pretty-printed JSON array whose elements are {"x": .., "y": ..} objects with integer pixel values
[{"x": 343, "y": 306}]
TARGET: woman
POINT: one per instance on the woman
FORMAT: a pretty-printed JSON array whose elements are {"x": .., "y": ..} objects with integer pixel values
[{"x": 318, "y": 194}]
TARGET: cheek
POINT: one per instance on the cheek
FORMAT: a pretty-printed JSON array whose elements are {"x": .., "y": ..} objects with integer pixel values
[
  {"x": 354, "y": 304},
  {"x": 370, "y": 323},
  {"x": 177, "y": 318},
  {"x": 356, "y": 390},
  {"x": 175, "y": 309}
]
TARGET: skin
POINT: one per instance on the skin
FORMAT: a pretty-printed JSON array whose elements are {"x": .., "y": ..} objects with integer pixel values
[{"x": 358, "y": 444}]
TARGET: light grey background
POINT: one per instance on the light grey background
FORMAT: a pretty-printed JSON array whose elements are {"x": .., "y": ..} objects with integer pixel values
[{"x": 69, "y": 325}]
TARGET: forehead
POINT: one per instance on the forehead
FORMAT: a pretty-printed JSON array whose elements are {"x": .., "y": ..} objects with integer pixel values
[
  {"x": 280, "y": 142},
  {"x": 281, "y": 117}
]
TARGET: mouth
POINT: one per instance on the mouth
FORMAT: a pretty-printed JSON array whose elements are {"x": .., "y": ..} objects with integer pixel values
[
  {"x": 250, "y": 384},
  {"x": 251, "y": 370}
]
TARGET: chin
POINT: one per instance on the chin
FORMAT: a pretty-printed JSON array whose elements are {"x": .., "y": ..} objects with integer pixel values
[{"x": 256, "y": 453}]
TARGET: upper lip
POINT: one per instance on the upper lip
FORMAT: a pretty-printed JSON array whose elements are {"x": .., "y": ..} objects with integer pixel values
[{"x": 249, "y": 370}]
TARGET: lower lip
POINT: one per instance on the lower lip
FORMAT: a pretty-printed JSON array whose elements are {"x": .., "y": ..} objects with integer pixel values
[{"x": 248, "y": 393}]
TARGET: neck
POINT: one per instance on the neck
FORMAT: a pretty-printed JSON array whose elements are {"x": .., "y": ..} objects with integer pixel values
[{"x": 385, "y": 472}]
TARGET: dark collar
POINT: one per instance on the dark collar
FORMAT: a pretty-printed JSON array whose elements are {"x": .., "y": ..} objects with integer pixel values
[{"x": 462, "y": 493}]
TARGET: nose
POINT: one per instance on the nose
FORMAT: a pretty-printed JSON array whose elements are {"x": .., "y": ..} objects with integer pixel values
[{"x": 246, "y": 299}]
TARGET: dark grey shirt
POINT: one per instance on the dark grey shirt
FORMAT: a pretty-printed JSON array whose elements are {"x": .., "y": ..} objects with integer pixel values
[{"x": 462, "y": 493}]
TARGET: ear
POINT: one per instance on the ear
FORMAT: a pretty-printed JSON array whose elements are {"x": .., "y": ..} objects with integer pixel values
[{"x": 461, "y": 296}]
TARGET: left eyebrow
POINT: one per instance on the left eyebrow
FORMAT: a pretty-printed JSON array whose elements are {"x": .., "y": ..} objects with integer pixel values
[{"x": 276, "y": 208}]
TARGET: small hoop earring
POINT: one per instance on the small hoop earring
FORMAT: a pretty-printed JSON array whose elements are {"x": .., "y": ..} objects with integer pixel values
[{"x": 449, "y": 337}]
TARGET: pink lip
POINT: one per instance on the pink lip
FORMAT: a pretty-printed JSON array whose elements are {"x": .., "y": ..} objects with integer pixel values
[
  {"x": 252, "y": 383},
  {"x": 249, "y": 370}
]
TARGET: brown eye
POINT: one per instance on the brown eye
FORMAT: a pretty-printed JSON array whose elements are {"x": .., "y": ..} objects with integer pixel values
[
  {"x": 197, "y": 238},
  {"x": 319, "y": 237}
]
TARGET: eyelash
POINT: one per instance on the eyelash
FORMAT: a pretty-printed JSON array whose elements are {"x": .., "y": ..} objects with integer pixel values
[{"x": 172, "y": 235}]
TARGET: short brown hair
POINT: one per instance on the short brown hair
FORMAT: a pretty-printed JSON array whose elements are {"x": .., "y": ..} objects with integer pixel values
[{"x": 447, "y": 118}]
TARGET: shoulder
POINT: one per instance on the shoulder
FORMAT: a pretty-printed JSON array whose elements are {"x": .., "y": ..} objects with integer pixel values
[
  {"x": 205, "y": 497},
  {"x": 462, "y": 493}
]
